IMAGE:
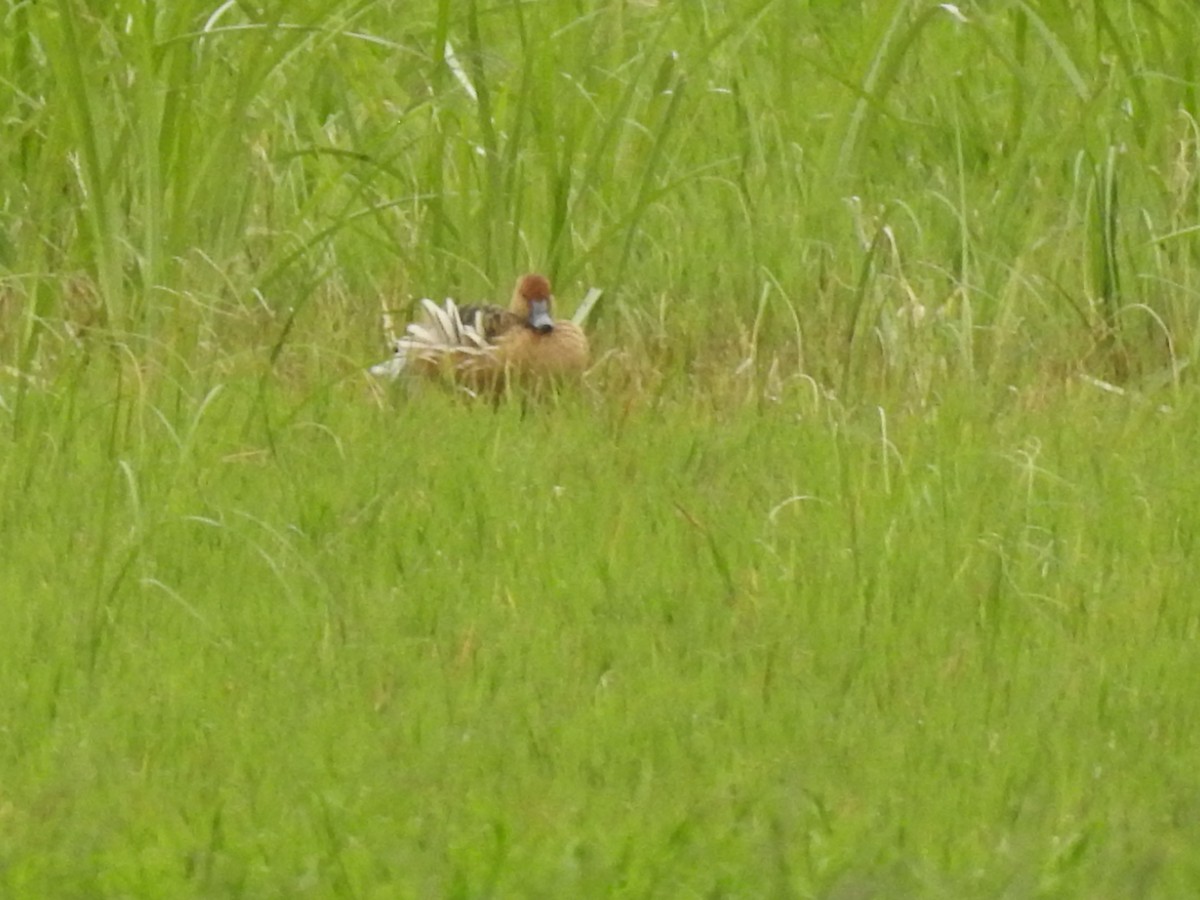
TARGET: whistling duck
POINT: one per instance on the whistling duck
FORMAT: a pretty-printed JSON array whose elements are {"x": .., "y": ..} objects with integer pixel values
[{"x": 482, "y": 346}]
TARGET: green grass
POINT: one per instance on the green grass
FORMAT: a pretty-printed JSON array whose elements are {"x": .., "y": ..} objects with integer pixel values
[{"x": 859, "y": 566}]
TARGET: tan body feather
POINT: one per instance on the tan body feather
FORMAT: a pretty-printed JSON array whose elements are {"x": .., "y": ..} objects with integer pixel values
[
  {"x": 519, "y": 355},
  {"x": 489, "y": 348}
]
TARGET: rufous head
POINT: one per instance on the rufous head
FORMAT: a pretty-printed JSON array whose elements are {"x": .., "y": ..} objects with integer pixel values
[{"x": 532, "y": 300}]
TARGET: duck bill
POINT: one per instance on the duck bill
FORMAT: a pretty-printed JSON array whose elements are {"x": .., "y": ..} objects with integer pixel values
[{"x": 539, "y": 316}]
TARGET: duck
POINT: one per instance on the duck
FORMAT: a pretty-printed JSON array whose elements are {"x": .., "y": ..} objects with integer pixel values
[{"x": 487, "y": 347}]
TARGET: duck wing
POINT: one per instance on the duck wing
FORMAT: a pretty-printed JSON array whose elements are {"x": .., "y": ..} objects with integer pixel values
[
  {"x": 443, "y": 334},
  {"x": 490, "y": 321}
]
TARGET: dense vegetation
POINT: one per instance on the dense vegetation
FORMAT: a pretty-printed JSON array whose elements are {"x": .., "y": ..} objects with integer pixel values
[{"x": 860, "y": 565}]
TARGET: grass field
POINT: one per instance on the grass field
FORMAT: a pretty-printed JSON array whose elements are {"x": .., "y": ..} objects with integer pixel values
[{"x": 862, "y": 564}]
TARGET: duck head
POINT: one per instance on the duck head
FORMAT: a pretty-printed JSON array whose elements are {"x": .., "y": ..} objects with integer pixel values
[{"x": 531, "y": 301}]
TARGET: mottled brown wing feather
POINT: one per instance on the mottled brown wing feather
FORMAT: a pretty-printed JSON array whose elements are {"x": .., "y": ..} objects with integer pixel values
[{"x": 492, "y": 321}]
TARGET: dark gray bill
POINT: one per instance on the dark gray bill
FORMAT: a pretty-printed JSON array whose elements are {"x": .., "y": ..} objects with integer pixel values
[{"x": 539, "y": 316}]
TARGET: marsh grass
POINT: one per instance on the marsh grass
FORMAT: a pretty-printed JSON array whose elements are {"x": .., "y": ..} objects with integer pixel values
[{"x": 860, "y": 563}]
